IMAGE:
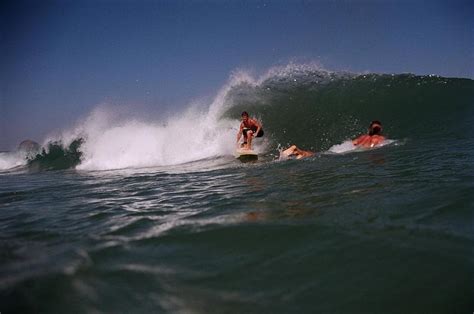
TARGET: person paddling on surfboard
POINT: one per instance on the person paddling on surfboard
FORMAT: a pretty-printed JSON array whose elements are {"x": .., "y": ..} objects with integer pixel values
[
  {"x": 250, "y": 128},
  {"x": 373, "y": 138},
  {"x": 294, "y": 151}
]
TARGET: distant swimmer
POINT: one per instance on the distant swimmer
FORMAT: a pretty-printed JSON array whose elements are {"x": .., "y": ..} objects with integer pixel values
[
  {"x": 250, "y": 128},
  {"x": 294, "y": 151},
  {"x": 373, "y": 138}
]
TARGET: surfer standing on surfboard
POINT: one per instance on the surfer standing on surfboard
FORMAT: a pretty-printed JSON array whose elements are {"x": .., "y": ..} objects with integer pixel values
[
  {"x": 250, "y": 128},
  {"x": 373, "y": 138}
]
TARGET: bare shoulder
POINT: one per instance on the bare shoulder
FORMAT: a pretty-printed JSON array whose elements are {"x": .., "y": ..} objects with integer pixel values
[
  {"x": 378, "y": 139},
  {"x": 255, "y": 121},
  {"x": 360, "y": 139}
]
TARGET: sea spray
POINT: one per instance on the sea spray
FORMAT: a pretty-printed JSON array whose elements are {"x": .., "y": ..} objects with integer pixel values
[
  {"x": 18, "y": 158},
  {"x": 132, "y": 143},
  {"x": 114, "y": 141},
  {"x": 9, "y": 160}
]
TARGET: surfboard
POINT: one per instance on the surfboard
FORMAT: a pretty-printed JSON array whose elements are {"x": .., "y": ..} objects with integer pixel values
[{"x": 246, "y": 155}]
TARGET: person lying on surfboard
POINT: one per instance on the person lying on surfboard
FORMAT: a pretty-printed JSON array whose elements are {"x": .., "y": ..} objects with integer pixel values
[
  {"x": 250, "y": 128},
  {"x": 373, "y": 138},
  {"x": 294, "y": 151}
]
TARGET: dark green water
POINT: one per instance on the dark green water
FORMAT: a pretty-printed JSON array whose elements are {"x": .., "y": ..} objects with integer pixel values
[{"x": 388, "y": 230}]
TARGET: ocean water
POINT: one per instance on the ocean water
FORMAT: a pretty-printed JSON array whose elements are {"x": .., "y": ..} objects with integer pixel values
[{"x": 111, "y": 218}]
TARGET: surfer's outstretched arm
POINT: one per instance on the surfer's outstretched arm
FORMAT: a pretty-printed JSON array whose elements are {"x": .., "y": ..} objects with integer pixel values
[
  {"x": 303, "y": 153},
  {"x": 239, "y": 134},
  {"x": 290, "y": 150},
  {"x": 259, "y": 127},
  {"x": 293, "y": 150}
]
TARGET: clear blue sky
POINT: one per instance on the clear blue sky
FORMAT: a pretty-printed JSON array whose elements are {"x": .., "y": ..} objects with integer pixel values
[{"x": 59, "y": 59}]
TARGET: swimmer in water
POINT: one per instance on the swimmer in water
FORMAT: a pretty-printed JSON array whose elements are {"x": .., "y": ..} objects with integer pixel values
[
  {"x": 294, "y": 151},
  {"x": 373, "y": 138}
]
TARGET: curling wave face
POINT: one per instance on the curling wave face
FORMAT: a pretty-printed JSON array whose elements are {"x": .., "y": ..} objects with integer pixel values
[{"x": 318, "y": 109}]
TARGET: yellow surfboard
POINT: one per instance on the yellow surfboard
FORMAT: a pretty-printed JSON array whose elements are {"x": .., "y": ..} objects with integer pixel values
[{"x": 246, "y": 155}]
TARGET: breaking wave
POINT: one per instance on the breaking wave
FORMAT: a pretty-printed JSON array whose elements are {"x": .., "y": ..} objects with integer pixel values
[{"x": 304, "y": 105}]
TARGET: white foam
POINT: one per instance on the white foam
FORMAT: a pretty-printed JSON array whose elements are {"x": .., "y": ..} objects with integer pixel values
[
  {"x": 114, "y": 140},
  {"x": 347, "y": 147},
  {"x": 344, "y": 147},
  {"x": 128, "y": 143},
  {"x": 10, "y": 160}
]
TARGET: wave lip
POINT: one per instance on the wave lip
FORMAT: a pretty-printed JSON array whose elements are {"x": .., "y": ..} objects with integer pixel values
[{"x": 299, "y": 75}]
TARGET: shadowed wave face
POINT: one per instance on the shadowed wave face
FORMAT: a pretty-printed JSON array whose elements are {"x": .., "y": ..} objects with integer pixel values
[
  {"x": 57, "y": 157},
  {"x": 320, "y": 109}
]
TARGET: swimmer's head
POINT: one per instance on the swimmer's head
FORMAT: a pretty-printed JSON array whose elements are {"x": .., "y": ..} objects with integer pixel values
[{"x": 375, "y": 128}]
